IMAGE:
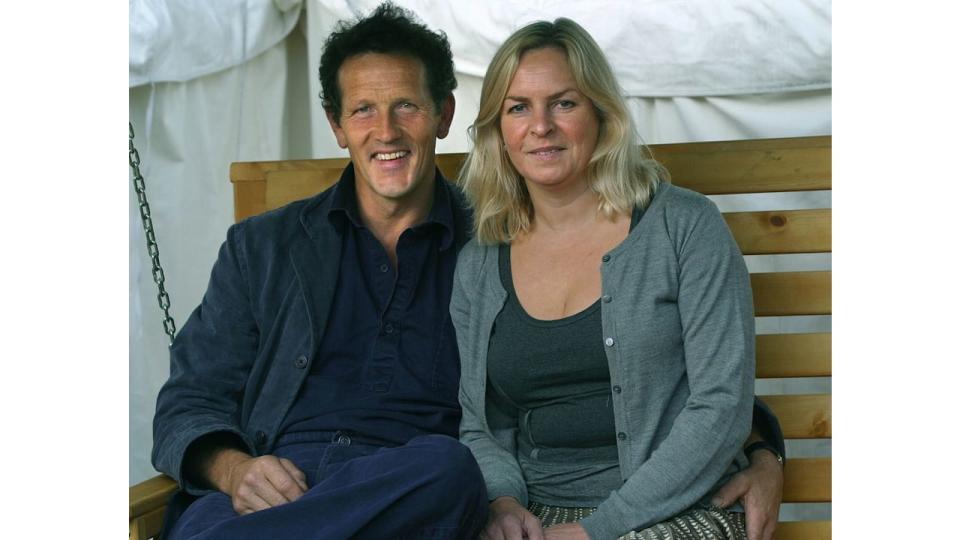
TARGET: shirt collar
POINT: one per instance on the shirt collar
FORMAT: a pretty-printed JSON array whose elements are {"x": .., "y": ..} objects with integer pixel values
[{"x": 343, "y": 206}]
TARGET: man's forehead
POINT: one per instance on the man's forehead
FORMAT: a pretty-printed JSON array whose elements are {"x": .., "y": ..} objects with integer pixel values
[
  {"x": 375, "y": 62},
  {"x": 375, "y": 73}
]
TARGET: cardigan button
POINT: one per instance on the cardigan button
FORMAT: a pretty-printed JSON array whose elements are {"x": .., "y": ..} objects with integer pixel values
[
  {"x": 300, "y": 362},
  {"x": 261, "y": 437},
  {"x": 606, "y": 258},
  {"x": 617, "y": 389},
  {"x": 608, "y": 342},
  {"x": 607, "y": 298},
  {"x": 622, "y": 436}
]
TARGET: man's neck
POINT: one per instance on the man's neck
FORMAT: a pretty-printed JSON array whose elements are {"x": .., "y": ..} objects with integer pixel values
[{"x": 388, "y": 218}]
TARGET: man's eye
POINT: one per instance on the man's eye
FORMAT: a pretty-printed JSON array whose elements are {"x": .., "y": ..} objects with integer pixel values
[
  {"x": 407, "y": 106},
  {"x": 364, "y": 109}
]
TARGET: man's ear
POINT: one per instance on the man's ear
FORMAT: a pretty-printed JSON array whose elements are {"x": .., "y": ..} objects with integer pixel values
[
  {"x": 446, "y": 116},
  {"x": 337, "y": 130}
]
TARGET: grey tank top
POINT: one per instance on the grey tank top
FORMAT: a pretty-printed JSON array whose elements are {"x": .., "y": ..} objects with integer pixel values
[{"x": 553, "y": 375}]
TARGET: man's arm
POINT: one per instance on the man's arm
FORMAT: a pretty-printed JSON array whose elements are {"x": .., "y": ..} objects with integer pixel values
[
  {"x": 219, "y": 461},
  {"x": 210, "y": 362},
  {"x": 760, "y": 486}
]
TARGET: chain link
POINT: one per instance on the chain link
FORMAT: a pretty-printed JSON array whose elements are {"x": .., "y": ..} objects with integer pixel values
[{"x": 163, "y": 299}]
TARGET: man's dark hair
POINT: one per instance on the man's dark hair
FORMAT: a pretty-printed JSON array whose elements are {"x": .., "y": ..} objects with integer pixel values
[{"x": 389, "y": 30}]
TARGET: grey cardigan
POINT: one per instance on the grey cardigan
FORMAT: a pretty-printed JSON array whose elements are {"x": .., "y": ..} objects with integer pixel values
[{"x": 678, "y": 333}]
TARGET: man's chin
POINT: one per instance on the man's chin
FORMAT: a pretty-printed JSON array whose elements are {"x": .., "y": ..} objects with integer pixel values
[{"x": 394, "y": 189}]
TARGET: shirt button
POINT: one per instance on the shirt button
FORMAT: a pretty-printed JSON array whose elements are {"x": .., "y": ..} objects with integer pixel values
[
  {"x": 383, "y": 268},
  {"x": 606, "y": 258},
  {"x": 607, "y": 298},
  {"x": 301, "y": 361},
  {"x": 388, "y": 328},
  {"x": 608, "y": 342},
  {"x": 261, "y": 437},
  {"x": 616, "y": 389},
  {"x": 622, "y": 436}
]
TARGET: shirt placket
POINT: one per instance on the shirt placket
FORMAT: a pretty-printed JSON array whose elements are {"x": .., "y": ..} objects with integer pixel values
[{"x": 394, "y": 289}]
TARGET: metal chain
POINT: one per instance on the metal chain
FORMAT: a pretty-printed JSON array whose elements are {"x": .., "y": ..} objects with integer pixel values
[{"x": 138, "y": 185}]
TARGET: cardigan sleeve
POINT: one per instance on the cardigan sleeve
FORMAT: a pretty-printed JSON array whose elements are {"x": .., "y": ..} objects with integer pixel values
[
  {"x": 716, "y": 316},
  {"x": 487, "y": 428},
  {"x": 210, "y": 360}
]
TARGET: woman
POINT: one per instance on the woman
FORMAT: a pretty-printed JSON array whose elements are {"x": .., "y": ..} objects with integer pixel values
[{"x": 604, "y": 316}]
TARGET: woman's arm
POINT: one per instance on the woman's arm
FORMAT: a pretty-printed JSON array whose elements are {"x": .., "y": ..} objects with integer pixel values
[
  {"x": 716, "y": 315},
  {"x": 487, "y": 426}
]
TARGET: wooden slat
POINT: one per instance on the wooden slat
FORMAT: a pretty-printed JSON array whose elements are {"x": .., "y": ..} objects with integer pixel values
[
  {"x": 150, "y": 495},
  {"x": 249, "y": 199},
  {"x": 256, "y": 171},
  {"x": 789, "y": 231},
  {"x": 807, "y": 480},
  {"x": 450, "y": 164},
  {"x": 284, "y": 187},
  {"x": 147, "y": 526},
  {"x": 752, "y": 166},
  {"x": 803, "y": 530},
  {"x": 803, "y": 416},
  {"x": 791, "y": 293},
  {"x": 250, "y": 182},
  {"x": 749, "y": 166},
  {"x": 794, "y": 355}
]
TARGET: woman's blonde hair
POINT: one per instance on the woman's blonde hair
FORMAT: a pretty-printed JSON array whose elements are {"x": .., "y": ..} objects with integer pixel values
[{"x": 621, "y": 172}]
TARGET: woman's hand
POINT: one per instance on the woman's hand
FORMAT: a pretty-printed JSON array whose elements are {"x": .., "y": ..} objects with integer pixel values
[
  {"x": 509, "y": 520},
  {"x": 566, "y": 531}
]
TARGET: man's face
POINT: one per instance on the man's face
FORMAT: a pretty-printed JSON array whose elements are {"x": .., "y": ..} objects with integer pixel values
[{"x": 390, "y": 125}]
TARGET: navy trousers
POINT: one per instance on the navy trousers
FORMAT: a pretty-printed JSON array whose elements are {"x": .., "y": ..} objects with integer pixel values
[{"x": 430, "y": 487}]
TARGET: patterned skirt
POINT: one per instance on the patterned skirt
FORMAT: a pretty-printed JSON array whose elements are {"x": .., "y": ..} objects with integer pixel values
[{"x": 713, "y": 523}]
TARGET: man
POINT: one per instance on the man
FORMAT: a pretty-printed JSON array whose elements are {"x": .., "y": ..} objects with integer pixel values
[{"x": 313, "y": 393}]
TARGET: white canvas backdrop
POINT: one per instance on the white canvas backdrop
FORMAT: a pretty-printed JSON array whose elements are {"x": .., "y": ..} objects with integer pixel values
[{"x": 208, "y": 88}]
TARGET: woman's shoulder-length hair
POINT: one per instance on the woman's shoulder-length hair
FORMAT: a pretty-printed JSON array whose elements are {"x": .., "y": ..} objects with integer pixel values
[{"x": 622, "y": 172}]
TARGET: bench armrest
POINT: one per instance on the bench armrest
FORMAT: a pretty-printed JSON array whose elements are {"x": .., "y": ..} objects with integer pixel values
[{"x": 148, "y": 503}]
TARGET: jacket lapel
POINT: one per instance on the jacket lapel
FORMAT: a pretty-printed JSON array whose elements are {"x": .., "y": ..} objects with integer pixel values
[{"x": 316, "y": 262}]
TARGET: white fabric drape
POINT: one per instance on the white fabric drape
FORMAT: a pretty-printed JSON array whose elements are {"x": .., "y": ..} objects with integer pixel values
[
  {"x": 180, "y": 40},
  {"x": 237, "y": 82}
]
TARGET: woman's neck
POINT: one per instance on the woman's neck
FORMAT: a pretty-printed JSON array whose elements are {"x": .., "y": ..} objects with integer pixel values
[{"x": 561, "y": 210}]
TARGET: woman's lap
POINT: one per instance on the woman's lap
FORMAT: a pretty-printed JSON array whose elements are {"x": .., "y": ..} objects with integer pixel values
[{"x": 697, "y": 524}]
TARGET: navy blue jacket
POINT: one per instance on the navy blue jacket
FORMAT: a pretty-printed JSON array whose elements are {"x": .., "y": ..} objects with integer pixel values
[{"x": 239, "y": 361}]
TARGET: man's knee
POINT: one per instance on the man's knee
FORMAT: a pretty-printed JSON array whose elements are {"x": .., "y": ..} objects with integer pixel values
[
  {"x": 446, "y": 460},
  {"x": 452, "y": 476},
  {"x": 445, "y": 453}
]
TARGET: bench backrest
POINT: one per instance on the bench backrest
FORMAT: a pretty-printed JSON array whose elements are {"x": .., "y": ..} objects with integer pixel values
[{"x": 713, "y": 168}]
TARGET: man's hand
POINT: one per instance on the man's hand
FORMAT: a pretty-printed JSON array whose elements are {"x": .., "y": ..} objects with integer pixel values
[
  {"x": 255, "y": 484},
  {"x": 509, "y": 520},
  {"x": 759, "y": 488},
  {"x": 566, "y": 531}
]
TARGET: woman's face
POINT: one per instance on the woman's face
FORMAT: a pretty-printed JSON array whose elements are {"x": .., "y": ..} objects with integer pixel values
[{"x": 549, "y": 128}]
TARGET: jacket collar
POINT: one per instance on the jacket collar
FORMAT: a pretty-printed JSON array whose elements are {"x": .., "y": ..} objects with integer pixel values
[{"x": 338, "y": 206}]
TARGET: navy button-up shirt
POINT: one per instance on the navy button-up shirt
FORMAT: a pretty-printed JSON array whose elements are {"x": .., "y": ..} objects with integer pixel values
[{"x": 388, "y": 366}]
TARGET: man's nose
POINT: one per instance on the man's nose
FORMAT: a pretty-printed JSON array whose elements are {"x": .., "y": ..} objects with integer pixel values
[{"x": 387, "y": 128}]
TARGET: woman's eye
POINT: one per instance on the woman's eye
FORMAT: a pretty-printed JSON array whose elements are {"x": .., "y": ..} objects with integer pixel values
[
  {"x": 519, "y": 107},
  {"x": 565, "y": 104}
]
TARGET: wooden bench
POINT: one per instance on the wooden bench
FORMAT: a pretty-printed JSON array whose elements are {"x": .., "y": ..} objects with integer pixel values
[{"x": 714, "y": 168}]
